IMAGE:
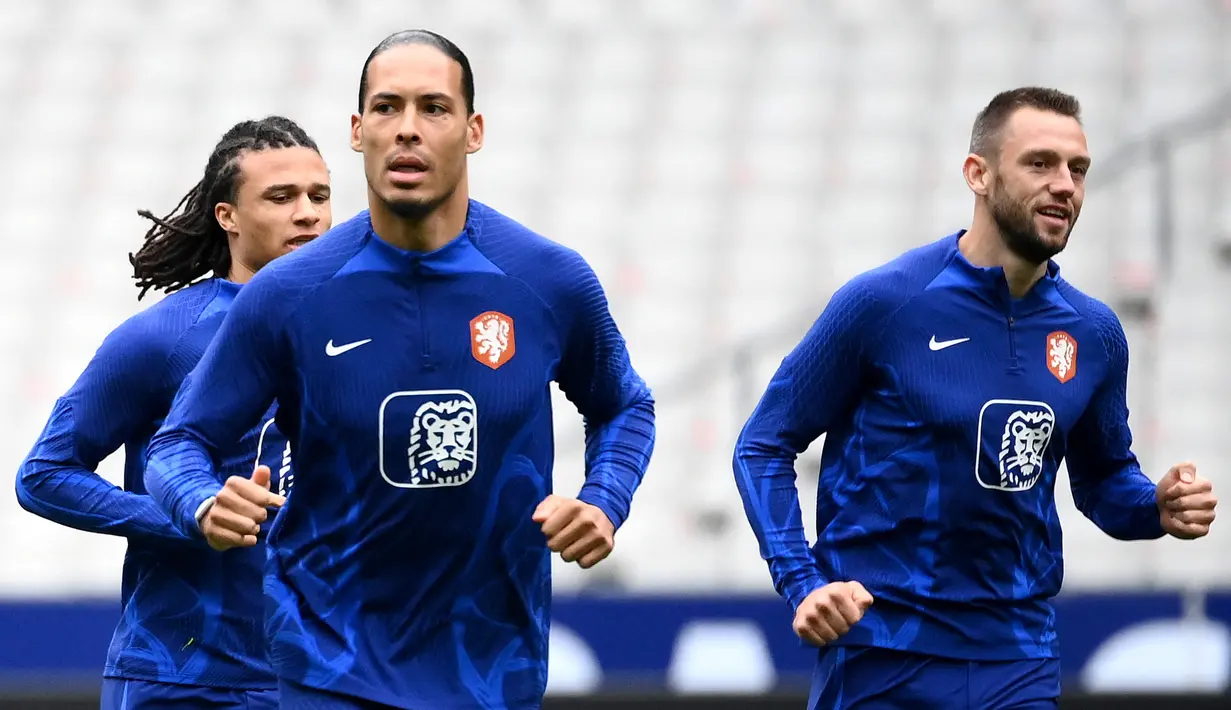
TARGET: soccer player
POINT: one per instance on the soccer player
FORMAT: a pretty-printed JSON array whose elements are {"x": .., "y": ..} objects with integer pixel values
[
  {"x": 191, "y": 632},
  {"x": 411, "y": 350},
  {"x": 950, "y": 384}
]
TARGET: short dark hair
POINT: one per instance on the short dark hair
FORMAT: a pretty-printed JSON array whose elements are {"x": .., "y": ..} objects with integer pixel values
[
  {"x": 188, "y": 243},
  {"x": 985, "y": 136},
  {"x": 431, "y": 39}
]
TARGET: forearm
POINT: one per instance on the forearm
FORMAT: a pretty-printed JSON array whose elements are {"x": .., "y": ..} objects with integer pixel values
[
  {"x": 81, "y": 499},
  {"x": 617, "y": 454},
  {"x": 765, "y": 477},
  {"x": 1122, "y": 504},
  {"x": 179, "y": 474}
]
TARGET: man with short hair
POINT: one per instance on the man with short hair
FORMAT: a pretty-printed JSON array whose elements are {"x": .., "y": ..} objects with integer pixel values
[
  {"x": 950, "y": 384},
  {"x": 411, "y": 350}
]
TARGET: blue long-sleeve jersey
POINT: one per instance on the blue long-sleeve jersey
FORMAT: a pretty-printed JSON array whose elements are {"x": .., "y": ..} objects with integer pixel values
[
  {"x": 415, "y": 389},
  {"x": 190, "y": 615},
  {"x": 947, "y": 407}
]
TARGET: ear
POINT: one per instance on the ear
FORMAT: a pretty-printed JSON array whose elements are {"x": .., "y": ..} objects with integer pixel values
[
  {"x": 978, "y": 174},
  {"x": 225, "y": 214},
  {"x": 474, "y": 140},
  {"x": 356, "y": 133}
]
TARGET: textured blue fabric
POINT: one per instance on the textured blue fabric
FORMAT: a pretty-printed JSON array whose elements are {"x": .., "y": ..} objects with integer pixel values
[
  {"x": 190, "y": 615},
  {"x": 947, "y": 407},
  {"x": 415, "y": 388}
]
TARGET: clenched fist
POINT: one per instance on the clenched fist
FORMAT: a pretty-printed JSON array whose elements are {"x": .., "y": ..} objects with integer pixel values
[
  {"x": 1186, "y": 502},
  {"x": 831, "y": 611},
  {"x": 239, "y": 509},
  {"x": 580, "y": 532}
]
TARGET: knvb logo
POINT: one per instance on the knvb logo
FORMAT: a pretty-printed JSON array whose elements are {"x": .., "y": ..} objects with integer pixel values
[
  {"x": 492, "y": 339},
  {"x": 1062, "y": 355}
]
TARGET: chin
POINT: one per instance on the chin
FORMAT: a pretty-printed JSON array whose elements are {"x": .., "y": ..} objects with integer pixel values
[{"x": 408, "y": 207}]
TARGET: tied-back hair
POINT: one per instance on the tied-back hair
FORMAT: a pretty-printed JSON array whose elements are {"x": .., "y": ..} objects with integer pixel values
[{"x": 188, "y": 243}]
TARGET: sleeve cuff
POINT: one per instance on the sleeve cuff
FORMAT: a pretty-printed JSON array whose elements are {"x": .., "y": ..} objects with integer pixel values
[
  {"x": 203, "y": 509},
  {"x": 587, "y": 496}
]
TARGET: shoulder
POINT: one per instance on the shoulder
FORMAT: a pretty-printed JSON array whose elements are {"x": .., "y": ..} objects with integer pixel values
[
  {"x": 556, "y": 272},
  {"x": 1099, "y": 318},
  {"x": 881, "y": 291},
  {"x": 138, "y": 349},
  {"x": 154, "y": 331}
]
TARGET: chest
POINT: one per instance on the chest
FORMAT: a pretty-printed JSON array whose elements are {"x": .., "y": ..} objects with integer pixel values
[
  {"x": 439, "y": 362},
  {"x": 968, "y": 370}
]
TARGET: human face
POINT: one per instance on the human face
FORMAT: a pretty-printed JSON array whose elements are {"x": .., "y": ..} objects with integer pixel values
[
  {"x": 281, "y": 203},
  {"x": 415, "y": 131},
  {"x": 1038, "y": 183}
]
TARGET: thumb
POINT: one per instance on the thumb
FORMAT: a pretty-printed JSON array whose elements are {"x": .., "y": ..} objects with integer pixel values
[
  {"x": 261, "y": 477},
  {"x": 860, "y": 595},
  {"x": 1177, "y": 476},
  {"x": 545, "y": 509}
]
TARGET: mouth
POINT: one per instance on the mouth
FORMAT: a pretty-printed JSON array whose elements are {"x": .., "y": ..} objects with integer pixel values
[
  {"x": 1055, "y": 215},
  {"x": 300, "y": 240},
  {"x": 407, "y": 168}
]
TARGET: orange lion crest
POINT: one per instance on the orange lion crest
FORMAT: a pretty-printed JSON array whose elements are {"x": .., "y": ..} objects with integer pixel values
[
  {"x": 1062, "y": 355},
  {"x": 492, "y": 340}
]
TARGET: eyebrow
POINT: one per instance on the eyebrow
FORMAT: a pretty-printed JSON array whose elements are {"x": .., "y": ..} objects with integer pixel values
[
  {"x": 316, "y": 186},
  {"x": 1048, "y": 153},
  {"x": 385, "y": 96},
  {"x": 394, "y": 96}
]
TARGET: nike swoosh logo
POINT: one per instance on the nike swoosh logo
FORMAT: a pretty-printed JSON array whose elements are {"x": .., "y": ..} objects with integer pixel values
[
  {"x": 934, "y": 346},
  {"x": 335, "y": 350}
]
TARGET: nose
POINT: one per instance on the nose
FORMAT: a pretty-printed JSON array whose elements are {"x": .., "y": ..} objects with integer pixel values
[
  {"x": 408, "y": 131},
  {"x": 307, "y": 212},
  {"x": 1063, "y": 185}
]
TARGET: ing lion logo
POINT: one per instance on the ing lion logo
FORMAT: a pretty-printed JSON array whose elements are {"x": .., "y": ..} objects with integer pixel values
[
  {"x": 1062, "y": 355},
  {"x": 492, "y": 340},
  {"x": 1011, "y": 452},
  {"x": 442, "y": 443},
  {"x": 1026, "y": 436}
]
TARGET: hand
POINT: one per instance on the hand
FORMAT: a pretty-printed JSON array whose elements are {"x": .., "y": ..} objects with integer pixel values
[
  {"x": 237, "y": 513},
  {"x": 580, "y": 532},
  {"x": 1186, "y": 502},
  {"x": 831, "y": 611}
]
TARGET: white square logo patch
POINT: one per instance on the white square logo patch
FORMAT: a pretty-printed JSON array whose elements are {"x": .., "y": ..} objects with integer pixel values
[
  {"x": 273, "y": 450},
  {"x": 1013, "y": 436},
  {"x": 428, "y": 439}
]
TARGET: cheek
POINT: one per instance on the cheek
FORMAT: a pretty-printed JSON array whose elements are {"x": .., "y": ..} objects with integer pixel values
[{"x": 267, "y": 227}]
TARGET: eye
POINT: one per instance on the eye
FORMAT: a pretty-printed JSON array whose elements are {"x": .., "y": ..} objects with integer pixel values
[
  {"x": 320, "y": 199},
  {"x": 280, "y": 198},
  {"x": 435, "y": 109},
  {"x": 383, "y": 108}
]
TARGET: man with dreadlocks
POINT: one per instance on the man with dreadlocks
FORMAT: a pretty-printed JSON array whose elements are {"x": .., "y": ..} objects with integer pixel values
[
  {"x": 411, "y": 352},
  {"x": 192, "y": 624}
]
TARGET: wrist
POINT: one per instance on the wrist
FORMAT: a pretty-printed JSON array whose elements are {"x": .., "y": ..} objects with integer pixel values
[{"x": 204, "y": 509}]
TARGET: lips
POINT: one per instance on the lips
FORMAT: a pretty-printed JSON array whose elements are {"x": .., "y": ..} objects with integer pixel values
[
  {"x": 1055, "y": 212},
  {"x": 298, "y": 241},
  {"x": 408, "y": 164}
]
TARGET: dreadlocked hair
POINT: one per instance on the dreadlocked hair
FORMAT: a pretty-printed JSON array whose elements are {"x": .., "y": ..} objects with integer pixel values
[{"x": 188, "y": 243}]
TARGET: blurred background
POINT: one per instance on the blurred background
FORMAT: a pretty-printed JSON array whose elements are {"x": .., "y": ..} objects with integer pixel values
[{"x": 724, "y": 165}]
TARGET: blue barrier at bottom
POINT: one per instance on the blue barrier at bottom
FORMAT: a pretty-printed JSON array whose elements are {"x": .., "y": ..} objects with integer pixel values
[{"x": 1112, "y": 641}]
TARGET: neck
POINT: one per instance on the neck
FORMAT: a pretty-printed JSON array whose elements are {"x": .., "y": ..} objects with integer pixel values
[
  {"x": 984, "y": 246},
  {"x": 423, "y": 233},
  {"x": 240, "y": 272}
]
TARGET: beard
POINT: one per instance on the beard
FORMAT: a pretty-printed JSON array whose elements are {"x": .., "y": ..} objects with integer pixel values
[
  {"x": 413, "y": 209},
  {"x": 1015, "y": 220}
]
